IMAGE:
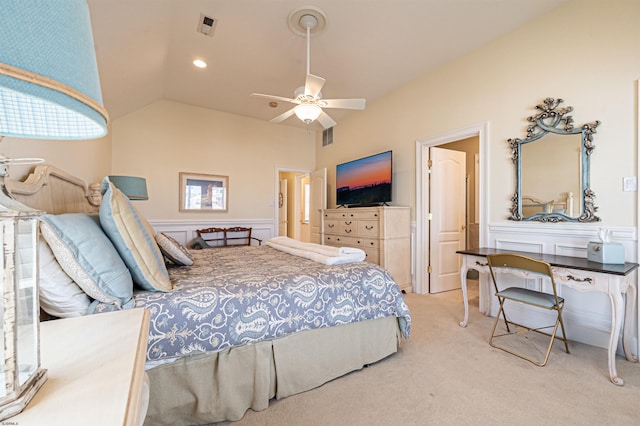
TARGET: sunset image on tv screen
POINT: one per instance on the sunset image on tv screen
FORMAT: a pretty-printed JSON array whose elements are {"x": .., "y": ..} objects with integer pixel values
[{"x": 366, "y": 180}]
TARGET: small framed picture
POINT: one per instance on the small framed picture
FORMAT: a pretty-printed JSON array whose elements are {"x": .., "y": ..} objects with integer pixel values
[{"x": 201, "y": 193}]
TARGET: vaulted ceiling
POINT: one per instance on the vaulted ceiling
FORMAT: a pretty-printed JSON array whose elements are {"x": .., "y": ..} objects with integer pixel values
[{"x": 145, "y": 48}]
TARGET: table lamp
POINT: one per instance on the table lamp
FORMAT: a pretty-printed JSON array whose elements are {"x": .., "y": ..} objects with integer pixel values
[
  {"x": 49, "y": 89},
  {"x": 135, "y": 188}
]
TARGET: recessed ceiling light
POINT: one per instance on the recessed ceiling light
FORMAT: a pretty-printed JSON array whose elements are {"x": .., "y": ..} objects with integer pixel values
[{"x": 200, "y": 63}]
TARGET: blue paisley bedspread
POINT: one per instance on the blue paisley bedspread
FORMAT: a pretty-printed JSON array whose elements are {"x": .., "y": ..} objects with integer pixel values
[{"x": 238, "y": 295}]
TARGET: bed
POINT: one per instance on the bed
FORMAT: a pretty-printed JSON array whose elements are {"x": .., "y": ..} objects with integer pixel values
[{"x": 239, "y": 326}]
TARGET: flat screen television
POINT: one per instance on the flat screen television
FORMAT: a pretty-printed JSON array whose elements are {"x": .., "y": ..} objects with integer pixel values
[{"x": 365, "y": 181}]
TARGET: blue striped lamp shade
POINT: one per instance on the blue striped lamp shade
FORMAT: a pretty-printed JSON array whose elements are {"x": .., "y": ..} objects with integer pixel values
[
  {"x": 49, "y": 83},
  {"x": 135, "y": 188}
]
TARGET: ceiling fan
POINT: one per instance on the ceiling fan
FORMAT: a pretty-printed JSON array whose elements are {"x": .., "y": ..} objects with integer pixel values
[{"x": 308, "y": 98}]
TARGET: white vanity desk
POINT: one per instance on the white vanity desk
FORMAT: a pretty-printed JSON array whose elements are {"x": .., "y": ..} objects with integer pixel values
[{"x": 581, "y": 274}]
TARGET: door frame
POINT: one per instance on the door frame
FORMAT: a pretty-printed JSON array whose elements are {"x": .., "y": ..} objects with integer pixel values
[
  {"x": 480, "y": 130},
  {"x": 296, "y": 197}
]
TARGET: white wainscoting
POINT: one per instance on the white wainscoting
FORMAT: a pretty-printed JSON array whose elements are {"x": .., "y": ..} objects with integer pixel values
[
  {"x": 185, "y": 230},
  {"x": 587, "y": 315}
]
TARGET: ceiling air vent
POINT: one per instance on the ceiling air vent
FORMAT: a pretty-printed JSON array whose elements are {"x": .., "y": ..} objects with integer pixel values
[
  {"x": 206, "y": 25},
  {"x": 327, "y": 136}
]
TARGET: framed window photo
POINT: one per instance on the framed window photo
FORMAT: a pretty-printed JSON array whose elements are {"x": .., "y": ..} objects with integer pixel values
[{"x": 202, "y": 193}]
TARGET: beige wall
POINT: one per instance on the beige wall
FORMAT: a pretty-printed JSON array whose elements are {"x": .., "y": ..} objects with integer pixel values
[
  {"x": 585, "y": 52},
  {"x": 165, "y": 138},
  {"x": 89, "y": 160}
]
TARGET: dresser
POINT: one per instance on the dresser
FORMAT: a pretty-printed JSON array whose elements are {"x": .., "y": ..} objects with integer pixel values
[
  {"x": 95, "y": 369},
  {"x": 384, "y": 233}
]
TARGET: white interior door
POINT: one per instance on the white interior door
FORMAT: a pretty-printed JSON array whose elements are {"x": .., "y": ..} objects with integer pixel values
[
  {"x": 447, "y": 225},
  {"x": 317, "y": 203},
  {"x": 282, "y": 208}
]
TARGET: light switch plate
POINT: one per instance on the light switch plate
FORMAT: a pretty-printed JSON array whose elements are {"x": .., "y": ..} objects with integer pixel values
[{"x": 629, "y": 184}]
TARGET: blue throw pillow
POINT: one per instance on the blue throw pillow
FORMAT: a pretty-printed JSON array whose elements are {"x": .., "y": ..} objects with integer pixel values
[{"x": 86, "y": 254}]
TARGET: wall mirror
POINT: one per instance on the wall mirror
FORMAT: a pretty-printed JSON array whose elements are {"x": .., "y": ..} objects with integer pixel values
[{"x": 552, "y": 168}]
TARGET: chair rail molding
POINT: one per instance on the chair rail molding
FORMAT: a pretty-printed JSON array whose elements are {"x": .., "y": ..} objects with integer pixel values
[{"x": 563, "y": 239}]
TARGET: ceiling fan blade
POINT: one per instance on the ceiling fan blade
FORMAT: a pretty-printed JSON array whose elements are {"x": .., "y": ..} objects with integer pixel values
[
  {"x": 274, "y": 98},
  {"x": 282, "y": 116},
  {"x": 343, "y": 103},
  {"x": 325, "y": 120},
  {"x": 313, "y": 85}
]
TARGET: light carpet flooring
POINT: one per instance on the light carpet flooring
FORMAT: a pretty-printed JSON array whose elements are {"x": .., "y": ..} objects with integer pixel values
[{"x": 448, "y": 375}]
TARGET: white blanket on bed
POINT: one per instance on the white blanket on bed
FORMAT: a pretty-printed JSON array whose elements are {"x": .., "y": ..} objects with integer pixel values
[{"x": 318, "y": 253}]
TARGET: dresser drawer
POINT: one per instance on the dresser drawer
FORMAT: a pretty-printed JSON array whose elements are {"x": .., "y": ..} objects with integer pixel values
[
  {"x": 335, "y": 215},
  {"x": 373, "y": 255},
  {"x": 365, "y": 214},
  {"x": 368, "y": 243},
  {"x": 341, "y": 241},
  {"x": 348, "y": 228},
  {"x": 331, "y": 226},
  {"x": 330, "y": 240},
  {"x": 368, "y": 228}
]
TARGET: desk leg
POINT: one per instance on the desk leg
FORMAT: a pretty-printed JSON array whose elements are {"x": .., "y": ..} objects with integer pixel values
[
  {"x": 617, "y": 307},
  {"x": 629, "y": 319},
  {"x": 465, "y": 297}
]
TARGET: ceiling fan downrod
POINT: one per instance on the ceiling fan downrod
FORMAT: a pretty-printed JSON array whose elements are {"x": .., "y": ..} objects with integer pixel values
[{"x": 309, "y": 22}]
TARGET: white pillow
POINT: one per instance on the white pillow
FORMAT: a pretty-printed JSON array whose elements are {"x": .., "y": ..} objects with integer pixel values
[
  {"x": 173, "y": 250},
  {"x": 59, "y": 295}
]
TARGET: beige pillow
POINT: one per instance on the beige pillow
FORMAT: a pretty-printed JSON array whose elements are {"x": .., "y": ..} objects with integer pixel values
[
  {"x": 173, "y": 250},
  {"x": 133, "y": 237}
]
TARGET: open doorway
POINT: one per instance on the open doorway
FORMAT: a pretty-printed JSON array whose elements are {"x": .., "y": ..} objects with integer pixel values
[
  {"x": 292, "y": 209},
  {"x": 472, "y": 141}
]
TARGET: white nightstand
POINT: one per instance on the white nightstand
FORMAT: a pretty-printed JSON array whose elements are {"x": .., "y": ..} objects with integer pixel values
[{"x": 96, "y": 371}]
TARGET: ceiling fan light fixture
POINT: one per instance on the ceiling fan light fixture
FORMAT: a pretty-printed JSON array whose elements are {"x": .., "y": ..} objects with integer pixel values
[{"x": 307, "y": 112}]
